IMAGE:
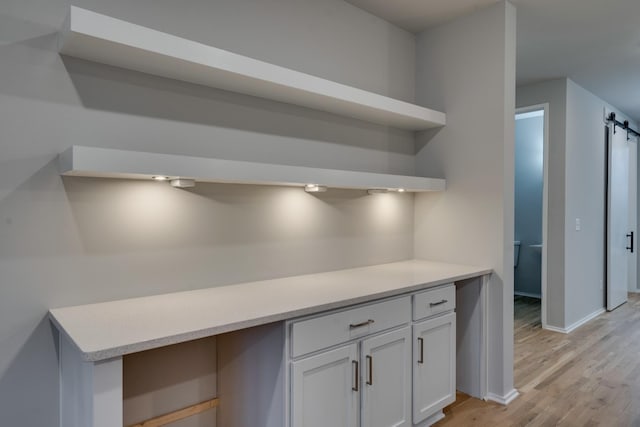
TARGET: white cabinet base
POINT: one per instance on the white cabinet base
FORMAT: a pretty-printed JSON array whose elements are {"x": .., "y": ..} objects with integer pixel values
[{"x": 90, "y": 393}]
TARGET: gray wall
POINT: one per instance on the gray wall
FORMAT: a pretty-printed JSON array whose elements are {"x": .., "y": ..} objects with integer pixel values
[
  {"x": 75, "y": 241},
  {"x": 585, "y": 187},
  {"x": 576, "y": 190},
  {"x": 528, "y": 203},
  {"x": 467, "y": 68}
]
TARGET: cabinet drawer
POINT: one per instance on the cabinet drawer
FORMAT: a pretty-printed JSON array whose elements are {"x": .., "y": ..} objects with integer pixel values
[
  {"x": 335, "y": 328},
  {"x": 434, "y": 301}
]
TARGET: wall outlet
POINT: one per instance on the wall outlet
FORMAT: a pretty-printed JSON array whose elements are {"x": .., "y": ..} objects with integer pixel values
[{"x": 578, "y": 224}]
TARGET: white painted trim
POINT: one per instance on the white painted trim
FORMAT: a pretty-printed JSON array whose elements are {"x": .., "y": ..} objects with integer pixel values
[
  {"x": 554, "y": 329},
  {"x": 575, "y": 325},
  {"x": 527, "y": 294},
  {"x": 503, "y": 400},
  {"x": 529, "y": 115},
  {"x": 545, "y": 205},
  {"x": 484, "y": 335}
]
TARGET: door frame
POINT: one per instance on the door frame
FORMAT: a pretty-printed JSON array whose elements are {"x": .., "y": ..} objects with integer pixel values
[{"x": 545, "y": 203}]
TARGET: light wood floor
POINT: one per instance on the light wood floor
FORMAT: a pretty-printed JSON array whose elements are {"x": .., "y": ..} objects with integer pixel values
[{"x": 590, "y": 377}]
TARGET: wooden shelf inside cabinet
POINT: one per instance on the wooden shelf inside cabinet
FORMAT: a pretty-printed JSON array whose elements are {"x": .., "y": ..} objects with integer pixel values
[
  {"x": 180, "y": 414},
  {"x": 110, "y": 163},
  {"x": 100, "y": 38}
]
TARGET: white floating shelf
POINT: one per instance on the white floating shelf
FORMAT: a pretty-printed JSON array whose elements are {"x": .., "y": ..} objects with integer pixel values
[
  {"x": 111, "y": 41},
  {"x": 109, "y": 163}
]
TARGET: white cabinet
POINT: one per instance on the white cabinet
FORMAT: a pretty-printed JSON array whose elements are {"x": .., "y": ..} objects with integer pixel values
[
  {"x": 325, "y": 331},
  {"x": 275, "y": 368},
  {"x": 434, "y": 367},
  {"x": 386, "y": 390},
  {"x": 369, "y": 365},
  {"x": 366, "y": 380},
  {"x": 325, "y": 389}
]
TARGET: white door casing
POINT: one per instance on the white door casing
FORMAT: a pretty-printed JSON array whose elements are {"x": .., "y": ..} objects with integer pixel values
[{"x": 633, "y": 220}]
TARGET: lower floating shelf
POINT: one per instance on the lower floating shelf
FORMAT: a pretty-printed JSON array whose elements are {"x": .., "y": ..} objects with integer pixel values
[{"x": 110, "y": 163}]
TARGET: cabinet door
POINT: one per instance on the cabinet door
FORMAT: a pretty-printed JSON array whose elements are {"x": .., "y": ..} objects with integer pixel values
[
  {"x": 325, "y": 389},
  {"x": 434, "y": 365},
  {"x": 386, "y": 377}
]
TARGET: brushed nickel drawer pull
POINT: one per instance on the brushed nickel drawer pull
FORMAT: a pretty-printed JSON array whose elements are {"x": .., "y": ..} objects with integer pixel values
[
  {"x": 433, "y": 304},
  {"x": 361, "y": 324},
  {"x": 421, "y": 341},
  {"x": 370, "y": 363},
  {"x": 354, "y": 363}
]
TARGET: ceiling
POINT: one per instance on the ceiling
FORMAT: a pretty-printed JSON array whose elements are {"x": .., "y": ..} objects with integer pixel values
[{"x": 596, "y": 43}]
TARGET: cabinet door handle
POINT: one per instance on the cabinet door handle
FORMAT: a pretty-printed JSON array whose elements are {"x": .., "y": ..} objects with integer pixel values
[
  {"x": 361, "y": 324},
  {"x": 630, "y": 248},
  {"x": 354, "y": 364},
  {"x": 433, "y": 304},
  {"x": 421, "y": 341},
  {"x": 370, "y": 365}
]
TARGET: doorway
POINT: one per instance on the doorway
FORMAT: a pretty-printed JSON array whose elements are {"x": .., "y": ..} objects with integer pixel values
[{"x": 530, "y": 235}]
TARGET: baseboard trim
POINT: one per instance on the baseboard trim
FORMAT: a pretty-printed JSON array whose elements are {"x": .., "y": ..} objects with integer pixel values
[
  {"x": 503, "y": 400},
  {"x": 555, "y": 329},
  {"x": 527, "y": 294},
  {"x": 431, "y": 420},
  {"x": 575, "y": 325}
]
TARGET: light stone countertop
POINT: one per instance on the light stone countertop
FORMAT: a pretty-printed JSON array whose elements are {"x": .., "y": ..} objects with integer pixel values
[{"x": 112, "y": 329}]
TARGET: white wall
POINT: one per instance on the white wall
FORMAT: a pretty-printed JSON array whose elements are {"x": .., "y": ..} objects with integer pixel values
[
  {"x": 577, "y": 180},
  {"x": 74, "y": 241},
  {"x": 467, "y": 68}
]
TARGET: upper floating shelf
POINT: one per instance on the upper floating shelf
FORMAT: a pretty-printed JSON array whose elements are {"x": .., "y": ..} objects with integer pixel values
[
  {"x": 111, "y": 41},
  {"x": 110, "y": 163}
]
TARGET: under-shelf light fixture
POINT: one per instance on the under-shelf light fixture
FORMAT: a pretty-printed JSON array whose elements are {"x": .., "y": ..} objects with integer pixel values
[
  {"x": 183, "y": 183},
  {"x": 385, "y": 190},
  {"x": 315, "y": 188},
  {"x": 377, "y": 190},
  {"x": 160, "y": 178}
]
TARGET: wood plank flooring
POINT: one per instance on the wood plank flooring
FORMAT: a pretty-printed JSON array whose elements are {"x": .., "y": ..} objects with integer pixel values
[{"x": 590, "y": 377}]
